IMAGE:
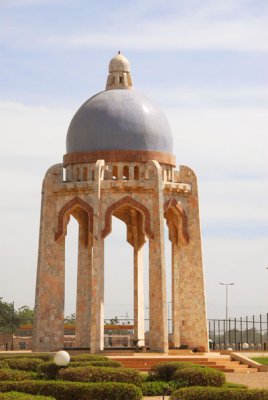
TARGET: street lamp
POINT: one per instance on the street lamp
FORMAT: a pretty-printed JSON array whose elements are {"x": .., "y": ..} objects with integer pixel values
[{"x": 226, "y": 297}]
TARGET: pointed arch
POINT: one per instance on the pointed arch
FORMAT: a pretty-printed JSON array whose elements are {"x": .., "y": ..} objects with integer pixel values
[
  {"x": 181, "y": 224},
  {"x": 67, "y": 209},
  {"x": 127, "y": 200}
]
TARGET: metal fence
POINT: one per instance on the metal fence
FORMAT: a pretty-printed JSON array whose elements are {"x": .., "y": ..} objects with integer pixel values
[{"x": 248, "y": 333}]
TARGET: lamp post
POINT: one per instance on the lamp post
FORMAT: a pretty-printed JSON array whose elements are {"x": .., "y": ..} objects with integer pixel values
[
  {"x": 226, "y": 297},
  {"x": 226, "y": 302}
]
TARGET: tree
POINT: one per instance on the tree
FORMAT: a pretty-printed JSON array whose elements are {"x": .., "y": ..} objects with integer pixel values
[
  {"x": 9, "y": 321},
  {"x": 25, "y": 315}
]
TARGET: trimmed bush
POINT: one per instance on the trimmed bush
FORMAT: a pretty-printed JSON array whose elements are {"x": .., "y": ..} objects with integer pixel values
[
  {"x": 75, "y": 390},
  {"x": 231, "y": 385},
  {"x": 158, "y": 388},
  {"x": 24, "y": 364},
  {"x": 42, "y": 356},
  {"x": 22, "y": 396},
  {"x": 212, "y": 393},
  {"x": 88, "y": 357},
  {"x": 199, "y": 377},
  {"x": 13, "y": 375},
  {"x": 48, "y": 370},
  {"x": 4, "y": 364},
  {"x": 100, "y": 374},
  {"x": 112, "y": 364},
  {"x": 165, "y": 371}
]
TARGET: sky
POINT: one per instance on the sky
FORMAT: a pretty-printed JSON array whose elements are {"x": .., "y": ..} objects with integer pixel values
[{"x": 205, "y": 63}]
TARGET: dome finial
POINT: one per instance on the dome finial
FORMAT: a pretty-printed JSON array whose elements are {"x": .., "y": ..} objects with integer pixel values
[{"x": 119, "y": 73}]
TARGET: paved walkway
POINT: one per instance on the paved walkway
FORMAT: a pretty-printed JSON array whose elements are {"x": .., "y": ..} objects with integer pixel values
[{"x": 255, "y": 380}]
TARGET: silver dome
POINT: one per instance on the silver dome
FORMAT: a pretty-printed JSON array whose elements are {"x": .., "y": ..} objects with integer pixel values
[{"x": 119, "y": 119}]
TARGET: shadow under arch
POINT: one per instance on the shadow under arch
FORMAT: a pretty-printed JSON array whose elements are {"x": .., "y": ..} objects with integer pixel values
[
  {"x": 80, "y": 210},
  {"x": 177, "y": 221},
  {"x": 127, "y": 209}
]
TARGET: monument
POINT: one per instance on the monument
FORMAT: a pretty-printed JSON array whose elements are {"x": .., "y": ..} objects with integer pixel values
[{"x": 119, "y": 162}]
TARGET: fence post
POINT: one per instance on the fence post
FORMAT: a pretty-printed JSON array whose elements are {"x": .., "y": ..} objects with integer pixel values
[
  {"x": 254, "y": 337},
  {"x": 261, "y": 332}
]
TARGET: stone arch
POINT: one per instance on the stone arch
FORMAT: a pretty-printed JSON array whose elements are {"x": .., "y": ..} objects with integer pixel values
[
  {"x": 127, "y": 200},
  {"x": 67, "y": 210},
  {"x": 177, "y": 221}
]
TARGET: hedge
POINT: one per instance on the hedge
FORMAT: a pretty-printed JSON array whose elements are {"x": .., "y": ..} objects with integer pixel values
[
  {"x": 100, "y": 374},
  {"x": 165, "y": 371},
  {"x": 88, "y": 357},
  {"x": 22, "y": 396},
  {"x": 48, "y": 370},
  {"x": 24, "y": 364},
  {"x": 213, "y": 393},
  {"x": 158, "y": 388},
  {"x": 199, "y": 377},
  {"x": 113, "y": 364},
  {"x": 4, "y": 364},
  {"x": 42, "y": 356},
  {"x": 7, "y": 374},
  {"x": 74, "y": 390}
]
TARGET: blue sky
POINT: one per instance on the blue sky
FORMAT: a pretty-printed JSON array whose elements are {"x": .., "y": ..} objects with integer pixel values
[{"x": 205, "y": 63}]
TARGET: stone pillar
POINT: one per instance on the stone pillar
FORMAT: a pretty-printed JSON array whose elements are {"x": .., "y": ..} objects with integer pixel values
[
  {"x": 157, "y": 279},
  {"x": 175, "y": 294},
  {"x": 191, "y": 281},
  {"x": 138, "y": 297},
  {"x": 97, "y": 280},
  {"x": 83, "y": 296},
  {"x": 48, "y": 328}
]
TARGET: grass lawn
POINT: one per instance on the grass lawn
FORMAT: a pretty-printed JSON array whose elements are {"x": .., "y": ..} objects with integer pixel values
[{"x": 261, "y": 360}]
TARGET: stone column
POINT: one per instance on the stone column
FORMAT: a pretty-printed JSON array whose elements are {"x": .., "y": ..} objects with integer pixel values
[
  {"x": 191, "y": 281},
  {"x": 175, "y": 294},
  {"x": 138, "y": 297},
  {"x": 48, "y": 328},
  {"x": 137, "y": 242},
  {"x": 157, "y": 278},
  {"x": 83, "y": 296},
  {"x": 97, "y": 280}
]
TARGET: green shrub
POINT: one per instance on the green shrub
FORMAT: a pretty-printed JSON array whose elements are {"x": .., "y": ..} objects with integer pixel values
[
  {"x": 165, "y": 371},
  {"x": 112, "y": 364},
  {"x": 212, "y": 393},
  {"x": 4, "y": 364},
  {"x": 24, "y": 364},
  {"x": 48, "y": 370},
  {"x": 158, "y": 388},
  {"x": 22, "y": 396},
  {"x": 42, "y": 356},
  {"x": 74, "y": 390},
  {"x": 13, "y": 375},
  {"x": 199, "y": 377},
  {"x": 100, "y": 374},
  {"x": 231, "y": 385},
  {"x": 88, "y": 357}
]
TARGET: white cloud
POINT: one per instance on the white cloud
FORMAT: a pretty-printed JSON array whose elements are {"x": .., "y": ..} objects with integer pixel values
[
  {"x": 217, "y": 96},
  {"x": 223, "y": 142},
  {"x": 176, "y": 27},
  {"x": 243, "y": 262}
]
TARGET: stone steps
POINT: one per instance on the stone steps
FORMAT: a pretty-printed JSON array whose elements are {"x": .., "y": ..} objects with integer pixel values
[{"x": 224, "y": 364}]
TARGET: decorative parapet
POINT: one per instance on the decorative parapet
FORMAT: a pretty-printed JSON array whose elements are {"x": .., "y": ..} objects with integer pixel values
[{"x": 178, "y": 187}]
